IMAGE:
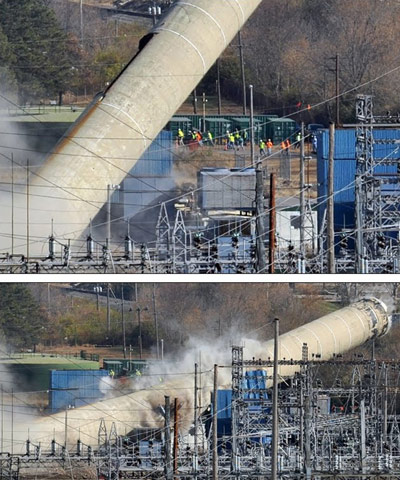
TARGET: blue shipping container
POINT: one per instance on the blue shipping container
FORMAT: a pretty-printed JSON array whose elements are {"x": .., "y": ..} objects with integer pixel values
[
  {"x": 345, "y": 170},
  {"x": 156, "y": 161},
  {"x": 76, "y": 387},
  {"x": 224, "y": 416}
]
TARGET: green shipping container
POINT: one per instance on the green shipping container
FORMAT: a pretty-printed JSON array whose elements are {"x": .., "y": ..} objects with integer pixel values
[
  {"x": 114, "y": 365},
  {"x": 279, "y": 129},
  {"x": 183, "y": 123},
  {"x": 123, "y": 365},
  {"x": 243, "y": 123},
  {"x": 218, "y": 127}
]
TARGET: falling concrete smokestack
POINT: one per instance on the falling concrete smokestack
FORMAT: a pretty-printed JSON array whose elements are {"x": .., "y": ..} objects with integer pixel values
[
  {"x": 108, "y": 139},
  {"x": 331, "y": 334}
]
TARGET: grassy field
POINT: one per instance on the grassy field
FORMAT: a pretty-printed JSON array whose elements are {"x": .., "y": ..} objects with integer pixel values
[
  {"x": 42, "y": 113},
  {"x": 50, "y": 360}
]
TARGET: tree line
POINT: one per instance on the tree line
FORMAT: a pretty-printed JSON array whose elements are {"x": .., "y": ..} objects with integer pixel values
[{"x": 290, "y": 47}]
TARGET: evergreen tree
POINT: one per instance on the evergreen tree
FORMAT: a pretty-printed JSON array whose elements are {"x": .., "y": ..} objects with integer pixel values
[
  {"x": 7, "y": 78},
  {"x": 21, "y": 319},
  {"x": 39, "y": 55}
]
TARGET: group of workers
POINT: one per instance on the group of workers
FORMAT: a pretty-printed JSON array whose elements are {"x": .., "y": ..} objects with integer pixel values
[
  {"x": 237, "y": 140},
  {"x": 195, "y": 136},
  {"x": 266, "y": 145}
]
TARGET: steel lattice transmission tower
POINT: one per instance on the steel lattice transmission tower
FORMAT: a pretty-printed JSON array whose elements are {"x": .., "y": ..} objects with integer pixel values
[{"x": 377, "y": 199}]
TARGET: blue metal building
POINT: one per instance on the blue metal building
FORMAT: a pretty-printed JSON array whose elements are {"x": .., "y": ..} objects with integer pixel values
[
  {"x": 75, "y": 388},
  {"x": 254, "y": 381},
  {"x": 148, "y": 183},
  {"x": 345, "y": 170}
]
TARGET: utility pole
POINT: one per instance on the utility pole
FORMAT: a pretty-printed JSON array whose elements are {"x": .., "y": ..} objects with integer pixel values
[
  {"x": 176, "y": 445},
  {"x": 330, "y": 212},
  {"x": 260, "y": 250},
  {"x": 275, "y": 420},
  {"x": 139, "y": 311},
  {"x": 337, "y": 92},
  {"x": 108, "y": 236},
  {"x": 27, "y": 209},
  {"x": 252, "y": 160},
  {"x": 242, "y": 72},
  {"x": 260, "y": 234},
  {"x": 12, "y": 203},
  {"x": 108, "y": 309},
  {"x": 12, "y": 421},
  {"x": 167, "y": 439},
  {"x": 48, "y": 299},
  {"x": 272, "y": 223},
  {"x": 302, "y": 196},
  {"x": 110, "y": 187},
  {"x": 81, "y": 18},
  {"x": 215, "y": 426},
  {"x": 156, "y": 321},
  {"x": 219, "y": 87},
  {"x": 97, "y": 289},
  {"x": 204, "y": 112},
  {"x": 195, "y": 422},
  {"x": 123, "y": 321},
  {"x": 2, "y": 419},
  {"x": 195, "y": 102}
]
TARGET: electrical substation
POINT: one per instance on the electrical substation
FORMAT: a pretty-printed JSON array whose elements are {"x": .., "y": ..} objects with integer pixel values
[
  {"x": 114, "y": 194},
  {"x": 309, "y": 408}
]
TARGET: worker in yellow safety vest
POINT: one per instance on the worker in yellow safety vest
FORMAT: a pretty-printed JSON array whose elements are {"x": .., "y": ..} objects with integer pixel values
[
  {"x": 210, "y": 138},
  {"x": 262, "y": 147},
  {"x": 231, "y": 141},
  {"x": 112, "y": 374},
  {"x": 181, "y": 136}
]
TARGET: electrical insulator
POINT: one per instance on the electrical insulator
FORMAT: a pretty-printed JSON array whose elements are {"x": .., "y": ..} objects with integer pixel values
[
  {"x": 105, "y": 254},
  {"x": 343, "y": 243},
  {"x": 128, "y": 246},
  {"x": 235, "y": 240},
  {"x": 66, "y": 254},
  {"x": 381, "y": 241},
  {"x": 252, "y": 251},
  {"x": 89, "y": 246},
  {"x": 150, "y": 10},
  {"x": 214, "y": 250},
  {"x": 380, "y": 463},
  {"x": 143, "y": 252},
  {"x": 158, "y": 10},
  {"x": 290, "y": 251},
  {"x": 51, "y": 247},
  {"x": 197, "y": 240}
]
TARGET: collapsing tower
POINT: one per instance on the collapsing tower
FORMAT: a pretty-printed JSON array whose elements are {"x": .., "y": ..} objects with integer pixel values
[{"x": 111, "y": 135}]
